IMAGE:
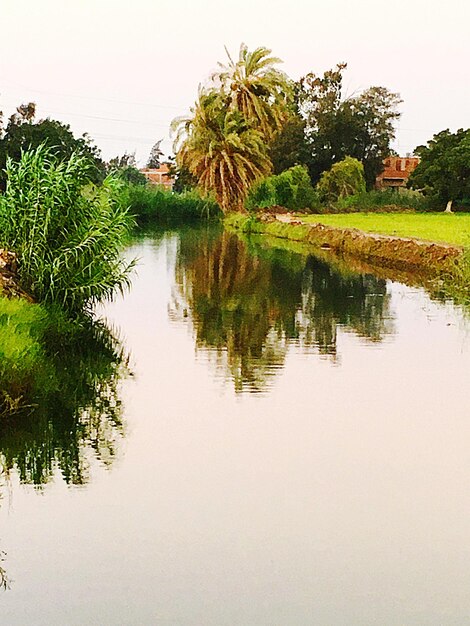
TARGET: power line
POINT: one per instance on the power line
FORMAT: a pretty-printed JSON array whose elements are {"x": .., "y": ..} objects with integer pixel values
[
  {"x": 109, "y": 119},
  {"x": 81, "y": 97}
]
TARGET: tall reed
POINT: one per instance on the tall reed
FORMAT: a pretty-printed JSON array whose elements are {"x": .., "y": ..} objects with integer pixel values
[
  {"x": 66, "y": 232},
  {"x": 155, "y": 204}
]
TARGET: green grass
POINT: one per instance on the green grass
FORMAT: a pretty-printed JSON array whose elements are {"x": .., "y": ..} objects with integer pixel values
[{"x": 439, "y": 227}]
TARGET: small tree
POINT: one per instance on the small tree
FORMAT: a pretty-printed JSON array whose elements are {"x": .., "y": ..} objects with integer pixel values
[
  {"x": 155, "y": 156},
  {"x": 443, "y": 173},
  {"x": 345, "y": 178},
  {"x": 125, "y": 168}
]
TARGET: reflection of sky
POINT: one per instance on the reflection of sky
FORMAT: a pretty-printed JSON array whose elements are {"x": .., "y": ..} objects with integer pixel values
[{"x": 341, "y": 497}]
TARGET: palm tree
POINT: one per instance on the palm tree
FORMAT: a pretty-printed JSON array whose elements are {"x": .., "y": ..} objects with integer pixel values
[
  {"x": 224, "y": 141},
  {"x": 222, "y": 150},
  {"x": 256, "y": 88}
]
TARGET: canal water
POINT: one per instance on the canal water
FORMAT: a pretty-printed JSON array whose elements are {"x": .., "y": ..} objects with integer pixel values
[{"x": 261, "y": 438}]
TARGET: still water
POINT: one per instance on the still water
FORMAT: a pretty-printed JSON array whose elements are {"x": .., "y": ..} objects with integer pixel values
[{"x": 260, "y": 437}]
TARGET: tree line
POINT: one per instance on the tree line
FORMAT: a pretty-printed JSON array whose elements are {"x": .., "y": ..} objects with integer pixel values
[{"x": 251, "y": 120}]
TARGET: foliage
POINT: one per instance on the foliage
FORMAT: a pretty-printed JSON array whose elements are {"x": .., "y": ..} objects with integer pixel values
[
  {"x": 289, "y": 146},
  {"x": 155, "y": 156},
  {"x": 222, "y": 150},
  {"x": 157, "y": 204},
  {"x": 131, "y": 175},
  {"x": 184, "y": 180},
  {"x": 360, "y": 126},
  {"x": 255, "y": 88},
  {"x": 224, "y": 141},
  {"x": 21, "y": 327},
  {"x": 66, "y": 232},
  {"x": 443, "y": 173},
  {"x": 120, "y": 162},
  {"x": 22, "y": 134},
  {"x": 291, "y": 189},
  {"x": 125, "y": 168},
  {"x": 387, "y": 200},
  {"x": 345, "y": 178}
]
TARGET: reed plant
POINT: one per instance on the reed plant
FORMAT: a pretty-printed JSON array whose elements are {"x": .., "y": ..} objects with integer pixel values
[
  {"x": 66, "y": 232},
  {"x": 152, "y": 203}
]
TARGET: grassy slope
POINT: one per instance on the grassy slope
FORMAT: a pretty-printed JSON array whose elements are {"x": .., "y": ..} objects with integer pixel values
[{"x": 453, "y": 229}]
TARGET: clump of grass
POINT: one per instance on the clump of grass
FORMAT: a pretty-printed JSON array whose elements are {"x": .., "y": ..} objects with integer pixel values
[
  {"x": 66, "y": 232},
  {"x": 157, "y": 204}
]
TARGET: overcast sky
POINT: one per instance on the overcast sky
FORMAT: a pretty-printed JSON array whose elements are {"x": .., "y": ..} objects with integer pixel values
[{"x": 121, "y": 70}]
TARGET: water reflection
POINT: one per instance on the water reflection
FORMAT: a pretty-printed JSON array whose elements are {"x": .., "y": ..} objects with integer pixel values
[
  {"x": 248, "y": 304},
  {"x": 76, "y": 410}
]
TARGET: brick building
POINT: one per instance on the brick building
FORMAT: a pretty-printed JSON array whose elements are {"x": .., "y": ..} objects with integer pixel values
[
  {"x": 159, "y": 176},
  {"x": 396, "y": 173}
]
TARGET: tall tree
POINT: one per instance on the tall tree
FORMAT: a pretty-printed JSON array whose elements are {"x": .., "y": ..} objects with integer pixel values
[
  {"x": 119, "y": 162},
  {"x": 224, "y": 153},
  {"x": 360, "y": 126},
  {"x": 443, "y": 173},
  {"x": 23, "y": 133},
  {"x": 224, "y": 142},
  {"x": 256, "y": 88}
]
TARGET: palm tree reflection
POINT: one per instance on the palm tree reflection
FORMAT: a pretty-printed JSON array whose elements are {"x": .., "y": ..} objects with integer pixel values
[{"x": 248, "y": 304}]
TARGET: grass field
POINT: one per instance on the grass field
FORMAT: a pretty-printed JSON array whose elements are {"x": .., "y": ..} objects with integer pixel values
[{"x": 453, "y": 229}]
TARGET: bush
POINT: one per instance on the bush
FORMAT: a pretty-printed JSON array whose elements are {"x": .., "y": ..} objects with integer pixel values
[
  {"x": 387, "y": 200},
  {"x": 154, "y": 203},
  {"x": 345, "y": 178},
  {"x": 66, "y": 232},
  {"x": 291, "y": 189}
]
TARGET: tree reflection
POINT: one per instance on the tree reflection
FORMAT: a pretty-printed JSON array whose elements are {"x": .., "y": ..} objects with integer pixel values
[
  {"x": 75, "y": 412},
  {"x": 248, "y": 304}
]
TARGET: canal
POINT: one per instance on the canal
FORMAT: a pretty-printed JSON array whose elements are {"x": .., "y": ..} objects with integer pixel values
[{"x": 272, "y": 439}]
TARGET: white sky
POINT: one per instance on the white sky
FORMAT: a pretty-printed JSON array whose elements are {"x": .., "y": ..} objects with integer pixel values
[{"x": 121, "y": 70}]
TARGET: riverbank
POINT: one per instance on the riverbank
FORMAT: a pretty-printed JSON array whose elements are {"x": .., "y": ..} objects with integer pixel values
[
  {"x": 449, "y": 228},
  {"x": 401, "y": 253}
]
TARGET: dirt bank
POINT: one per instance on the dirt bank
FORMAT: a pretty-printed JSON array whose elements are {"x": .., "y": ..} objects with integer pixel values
[
  {"x": 404, "y": 254},
  {"x": 8, "y": 276}
]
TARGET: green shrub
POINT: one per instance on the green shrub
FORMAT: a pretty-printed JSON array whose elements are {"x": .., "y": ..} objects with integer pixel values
[
  {"x": 387, "y": 200},
  {"x": 345, "y": 178},
  {"x": 154, "y": 203},
  {"x": 291, "y": 189},
  {"x": 66, "y": 232}
]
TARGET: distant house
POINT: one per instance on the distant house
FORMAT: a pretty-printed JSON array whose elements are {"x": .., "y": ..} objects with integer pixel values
[
  {"x": 396, "y": 173},
  {"x": 159, "y": 176}
]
